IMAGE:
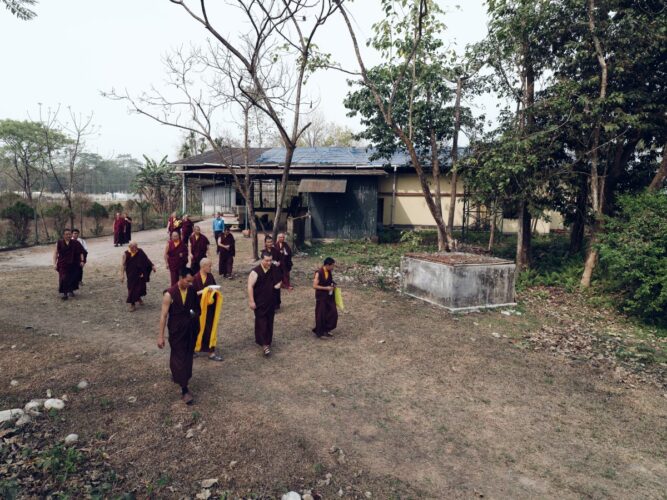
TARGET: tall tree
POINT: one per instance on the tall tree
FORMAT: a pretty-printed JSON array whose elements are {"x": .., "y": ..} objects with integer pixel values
[
  {"x": 518, "y": 50},
  {"x": 21, "y": 8},
  {"x": 272, "y": 59},
  {"x": 403, "y": 101}
]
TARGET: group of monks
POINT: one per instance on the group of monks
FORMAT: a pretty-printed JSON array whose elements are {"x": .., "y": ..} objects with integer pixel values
[
  {"x": 191, "y": 305},
  {"x": 122, "y": 229},
  {"x": 69, "y": 258}
]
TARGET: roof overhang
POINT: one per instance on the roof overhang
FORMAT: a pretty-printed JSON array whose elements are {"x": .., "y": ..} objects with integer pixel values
[
  {"x": 322, "y": 185},
  {"x": 277, "y": 172}
]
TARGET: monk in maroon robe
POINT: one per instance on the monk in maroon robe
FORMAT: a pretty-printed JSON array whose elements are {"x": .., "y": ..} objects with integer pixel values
[
  {"x": 198, "y": 248},
  {"x": 68, "y": 258},
  {"x": 118, "y": 229},
  {"x": 326, "y": 314},
  {"x": 227, "y": 251},
  {"x": 180, "y": 314},
  {"x": 262, "y": 283},
  {"x": 175, "y": 256},
  {"x": 276, "y": 259},
  {"x": 173, "y": 224},
  {"x": 285, "y": 253},
  {"x": 126, "y": 235},
  {"x": 187, "y": 228},
  {"x": 137, "y": 267},
  {"x": 203, "y": 279}
]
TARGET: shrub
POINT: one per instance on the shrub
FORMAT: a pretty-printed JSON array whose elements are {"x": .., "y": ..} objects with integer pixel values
[
  {"x": 20, "y": 215},
  {"x": 98, "y": 213},
  {"x": 633, "y": 255},
  {"x": 59, "y": 216}
]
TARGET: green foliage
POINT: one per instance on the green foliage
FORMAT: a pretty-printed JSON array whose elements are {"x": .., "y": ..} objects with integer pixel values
[
  {"x": 59, "y": 215},
  {"x": 99, "y": 213},
  {"x": 633, "y": 255},
  {"x": 20, "y": 215},
  {"x": 21, "y": 8},
  {"x": 158, "y": 184},
  {"x": 60, "y": 462}
]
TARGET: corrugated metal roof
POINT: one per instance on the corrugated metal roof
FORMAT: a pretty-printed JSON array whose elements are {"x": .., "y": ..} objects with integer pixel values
[
  {"x": 331, "y": 156},
  {"x": 277, "y": 171},
  {"x": 322, "y": 185}
]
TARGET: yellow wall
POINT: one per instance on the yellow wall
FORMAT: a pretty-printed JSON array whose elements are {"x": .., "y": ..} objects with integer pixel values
[{"x": 413, "y": 211}]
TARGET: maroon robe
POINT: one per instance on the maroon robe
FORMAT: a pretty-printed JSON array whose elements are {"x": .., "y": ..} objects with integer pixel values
[
  {"x": 183, "y": 327},
  {"x": 187, "y": 227},
  {"x": 326, "y": 313},
  {"x": 285, "y": 253},
  {"x": 198, "y": 285},
  {"x": 264, "y": 297},
  {"x": 68, "y": 264},
  {"x": 138, "y": 271},
  {"x": 126, "y": 234},
  {"x": 198, "y": 248},
  {"x": 118, "y": 229},
  {"x": 276, "y": 257},
  {"x": 177, "y": 259},
  {"x": 172, "y": 226},
  {"x": 226, "y": 257}
]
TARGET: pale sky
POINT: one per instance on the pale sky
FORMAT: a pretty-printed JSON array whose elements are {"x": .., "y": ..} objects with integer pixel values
[{"x": 74, "y": 49}]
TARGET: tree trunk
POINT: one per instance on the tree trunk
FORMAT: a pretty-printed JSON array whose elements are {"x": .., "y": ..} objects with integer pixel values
[
  {"x": 492, "y": 231},
  {"x": 289, "y": 154},
  {"x": 579, "y": 224},
  {"x": 523, "y": 238},
  {"x": 597, "y": 181},
  {"x": 455, "y": 155},
  {"x": 661, "y": 174}
]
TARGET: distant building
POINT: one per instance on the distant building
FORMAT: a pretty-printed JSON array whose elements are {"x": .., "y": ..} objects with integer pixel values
[{"x": 345, "y": 193}]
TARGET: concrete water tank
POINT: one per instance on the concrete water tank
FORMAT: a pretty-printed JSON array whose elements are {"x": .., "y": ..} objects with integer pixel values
[{"x": 459, "y": 281}]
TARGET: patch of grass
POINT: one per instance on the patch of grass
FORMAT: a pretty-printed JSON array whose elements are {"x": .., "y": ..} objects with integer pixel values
[
  {"x": 609, "y": 473},
  {"x": 318, "y": 469},
  {"x": 106, "y": 404},
  {"x": 60, "y": 462},
  {"x": 163, "y": 480},
  {"x": 101, "y": 435}
]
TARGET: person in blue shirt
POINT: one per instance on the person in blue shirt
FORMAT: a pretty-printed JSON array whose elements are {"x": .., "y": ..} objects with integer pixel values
[{"x": 218, "y": 228}]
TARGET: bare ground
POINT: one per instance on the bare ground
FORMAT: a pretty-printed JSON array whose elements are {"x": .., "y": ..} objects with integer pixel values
[{"x": 424, "y": 404}]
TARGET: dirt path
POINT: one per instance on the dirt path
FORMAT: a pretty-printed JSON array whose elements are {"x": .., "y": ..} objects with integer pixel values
[{"x": 423, "y": 403}]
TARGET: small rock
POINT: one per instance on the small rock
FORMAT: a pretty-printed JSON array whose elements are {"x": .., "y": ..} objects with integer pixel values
[
  {"x": 203, "y": 495},
  {"x": 49, "y": 394},
  {"x": 71, "y": 439},
  {"x": 14, "y": 383},
  {"x": 292, "y": 495},
  {"x": 64, "y": 397},
  {"x": 23, "y": 420},
  {"x": 32, "y": 406},
  {"x": 28, "y": 327},
  {"x": 368, "y": 494},
  {"x": 495, "y": 334},
  {"x": 132, "y": 399},
  {"x": 82, "y": 385},
  {"x": 190, "y": 434},
  {"x": 381, "y": 341},
  {"x": 56, "y": 404},
  {"x": 307, "y": 496},
  {"x": 232, "y": 464},
  {"x": 54, "y": 335},
  {"x": 209, "y": 483},
  {"x": 333, "y": 449},
  {"x": 329, "y": 475},
  {"x": 9, "y": 415},
  {"x": 340, "y": 492},
  {"x": 84, "y": 322},
  {"x": 506, "y": 313}
]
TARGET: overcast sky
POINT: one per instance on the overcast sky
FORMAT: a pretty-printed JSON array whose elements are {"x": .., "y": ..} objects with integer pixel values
[{"x": 74, "y": 49}]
